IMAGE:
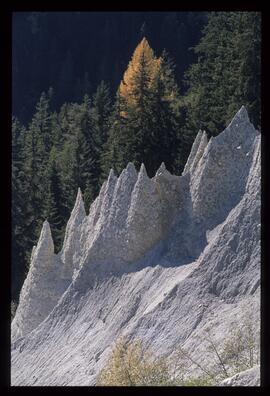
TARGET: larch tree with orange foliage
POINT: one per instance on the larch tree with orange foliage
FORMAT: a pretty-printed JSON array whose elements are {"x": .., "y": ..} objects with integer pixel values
[{"x": 147, "y": 120}]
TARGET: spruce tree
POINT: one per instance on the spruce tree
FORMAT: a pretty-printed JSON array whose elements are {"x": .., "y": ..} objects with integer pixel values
[
  {"x": 38, "y": 143},
  {"x": 227, "y": 73},
  {"x": 101, "y": 113},
  {"x": 42, "y": 121},
  {"x": 29, "y": 180},
  {"x": 167, "y": 136},
  {"x": 68, "y": 158},
  {"x": 87, "y": 153},
  {"x": 58, "y": 137},
  {"x": 56, "y": 210},
  {"x": 19, "y": 207},
  {"x": 79, "y": 165}
]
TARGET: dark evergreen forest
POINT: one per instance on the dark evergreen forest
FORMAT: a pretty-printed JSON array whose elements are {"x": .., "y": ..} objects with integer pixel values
[
  {"x": 95, "y": 90},
  {"x": 73, "y": 51}
]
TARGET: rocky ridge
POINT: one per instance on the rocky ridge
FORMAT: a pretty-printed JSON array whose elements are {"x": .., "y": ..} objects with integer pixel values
[{"x": 158, "y": 258}]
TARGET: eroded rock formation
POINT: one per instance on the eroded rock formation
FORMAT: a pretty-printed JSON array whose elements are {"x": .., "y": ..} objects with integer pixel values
[{"x": 159, "y": 259}]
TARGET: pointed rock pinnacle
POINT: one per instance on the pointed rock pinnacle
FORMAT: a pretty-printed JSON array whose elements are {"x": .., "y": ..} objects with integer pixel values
[
  {"x": 243, "y": 110},
  {"x": 77, "y": 215},
  {"x": 193, "y": 152},
  {"x": 102, "y": 188},
  {"x": 79, "y": 205},
  {"x": 131, "y": 169},
  {"x": 240, "y": 116},
  {"x": 240, "y": 129},
  {"x": 111, "y": 174},
  {"x": 200, "y": 151},
  {"x": 128, "y": 173},
  {"x": 161, "y": 169},
  {"x": 142, "y": 173},
  {"x": 111, "y": 182},
  {"x": 45, "y": 241},
  {"x": 204, "y": 140},
  {"x": 46, "y": 230}
]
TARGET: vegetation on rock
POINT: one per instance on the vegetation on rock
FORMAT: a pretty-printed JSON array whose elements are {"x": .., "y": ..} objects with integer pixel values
[{"x": 130, "y": 364}]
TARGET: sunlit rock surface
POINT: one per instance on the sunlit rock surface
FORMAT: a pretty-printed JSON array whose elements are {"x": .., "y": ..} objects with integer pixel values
[{"x": 159, "y": 259}]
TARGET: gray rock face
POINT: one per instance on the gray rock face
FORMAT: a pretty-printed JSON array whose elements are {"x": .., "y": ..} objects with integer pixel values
[
  {"x": 193, "y": 152},
  {"x": 221, "y": 173},
  {"x": 199, "y": 152},
  {"x": 42, "y": 287},
  {"x": 250, "y": 377},
  {"x": 160, "y": 259},
  {"x": 71, "y": 245}
]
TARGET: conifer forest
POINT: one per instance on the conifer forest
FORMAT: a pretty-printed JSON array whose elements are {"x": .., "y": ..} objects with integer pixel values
[{"x": 93, "y": 91}]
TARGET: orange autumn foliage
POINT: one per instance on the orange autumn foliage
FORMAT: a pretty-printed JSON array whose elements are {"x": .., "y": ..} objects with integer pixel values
[{"x": 143, "y": 63}]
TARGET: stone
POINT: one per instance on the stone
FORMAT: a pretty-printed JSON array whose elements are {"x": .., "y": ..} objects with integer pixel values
[
  {"x": 161, "y": 259},
  {"x": 193, "y": 152},
  {"x": 71, "y": 242},
  {"x": 250, "y": 377},
  {"x": 199, "y": 152},
  {"x": 39, "y": 293}
]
